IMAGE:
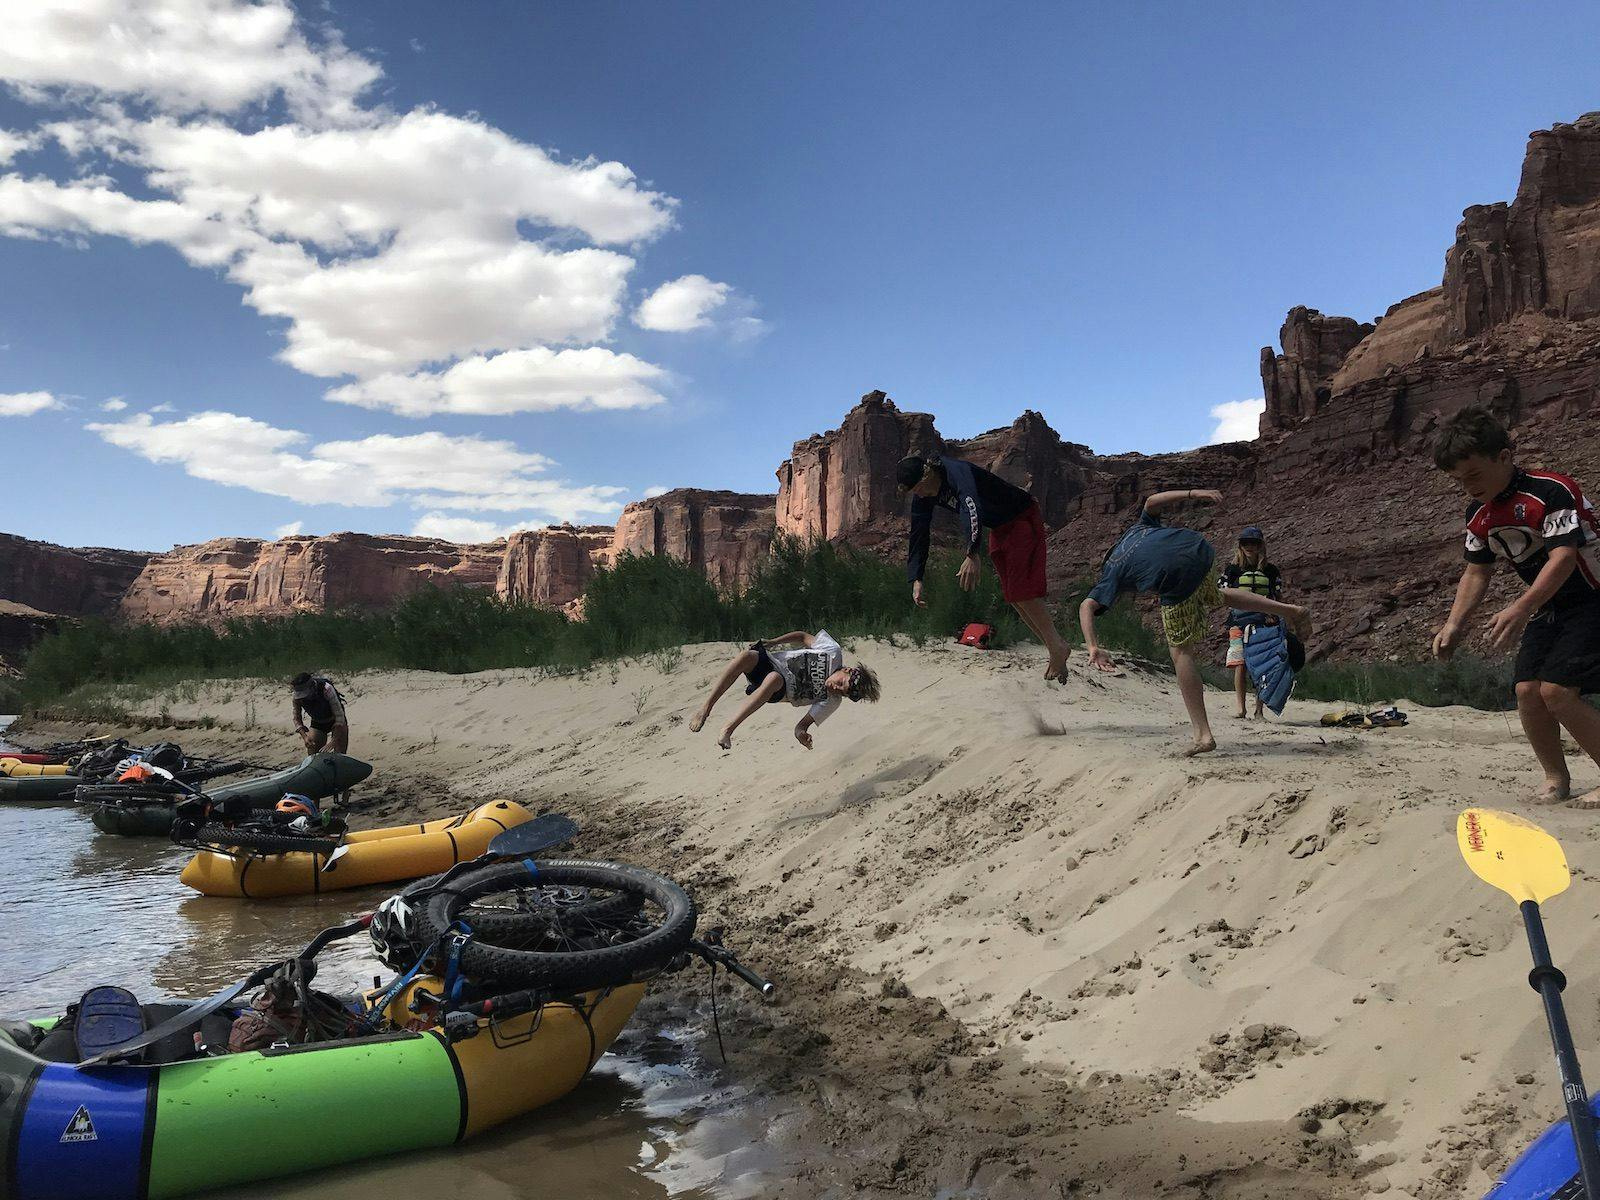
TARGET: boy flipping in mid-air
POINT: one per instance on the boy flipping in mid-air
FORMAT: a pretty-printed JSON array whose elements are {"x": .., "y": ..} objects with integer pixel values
[
  {"x": 814, "y": 675},
  {"x": 1541, "y": 523},
  {"x": 1176, "y": 564},
  {"x": 1016, "y": 539}
]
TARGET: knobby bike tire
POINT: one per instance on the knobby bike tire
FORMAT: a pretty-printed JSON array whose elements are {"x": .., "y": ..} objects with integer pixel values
[
  {"x": 262, "y": 841},
  {"x": 605, "y": 966}
]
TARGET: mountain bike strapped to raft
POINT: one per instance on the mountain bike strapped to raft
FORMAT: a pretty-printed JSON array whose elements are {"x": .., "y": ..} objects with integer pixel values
[{"x": 499, "y": 941}]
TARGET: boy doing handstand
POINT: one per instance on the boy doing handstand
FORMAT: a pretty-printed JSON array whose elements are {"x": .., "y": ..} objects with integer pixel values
[{"x": 1176, "y": 564}]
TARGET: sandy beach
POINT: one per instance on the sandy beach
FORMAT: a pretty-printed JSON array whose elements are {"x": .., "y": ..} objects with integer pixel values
[{"x": 1023, "y": 948}]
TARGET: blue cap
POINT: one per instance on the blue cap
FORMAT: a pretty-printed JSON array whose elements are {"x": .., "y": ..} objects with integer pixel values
[{"x": 1252, "y": 533}]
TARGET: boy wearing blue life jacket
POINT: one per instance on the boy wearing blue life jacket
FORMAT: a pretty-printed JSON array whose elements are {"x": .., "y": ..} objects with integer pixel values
[{"x": 1177, "y": 565}]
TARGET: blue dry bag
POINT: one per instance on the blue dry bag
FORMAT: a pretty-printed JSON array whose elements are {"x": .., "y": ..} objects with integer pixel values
[{"x": 1267, "y": 658}]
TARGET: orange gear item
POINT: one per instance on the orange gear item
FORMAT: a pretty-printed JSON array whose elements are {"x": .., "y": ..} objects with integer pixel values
[
  {"x": 137, "y": 773},
  {"x": 296, "y": 808}
]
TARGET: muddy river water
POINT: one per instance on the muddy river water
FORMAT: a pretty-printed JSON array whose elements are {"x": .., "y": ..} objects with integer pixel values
[{"x": 82, "y": 908}]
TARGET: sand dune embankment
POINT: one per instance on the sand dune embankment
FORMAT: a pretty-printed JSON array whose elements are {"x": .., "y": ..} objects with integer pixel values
[{"x": 1279, "y": 930}]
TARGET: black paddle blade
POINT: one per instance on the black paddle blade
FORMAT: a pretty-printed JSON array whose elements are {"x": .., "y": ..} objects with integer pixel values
[
  {"x": 541, "y": 833},
  {"x": 175, "y": 1024}
]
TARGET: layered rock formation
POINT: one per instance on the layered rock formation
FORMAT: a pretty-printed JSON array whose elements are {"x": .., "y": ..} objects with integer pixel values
[
  {"x": 725, "y": 534},
  {"x": 61, "y": 581},
  {"x": 841, "y": 484},
  {"x": 1298, "y": 380},
  {"x": 550, "y": 566},
  {"x": 229, "y": 577}
]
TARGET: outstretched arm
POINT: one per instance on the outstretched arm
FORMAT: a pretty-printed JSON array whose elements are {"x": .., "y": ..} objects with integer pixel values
[
  {"x": 799, "y": 635},
  {"x": 1165, "y": 500},
  {"x": 917, "y": 554},
  {"x": 1298, "y": 617},
  {"x": 1507, "y": 624},
  {"x": 1087, "y": 611},
  {"x": 1474, "y": 583}
]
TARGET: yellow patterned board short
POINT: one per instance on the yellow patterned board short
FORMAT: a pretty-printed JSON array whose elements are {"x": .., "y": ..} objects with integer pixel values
[{"x": 1189, "y": 620}]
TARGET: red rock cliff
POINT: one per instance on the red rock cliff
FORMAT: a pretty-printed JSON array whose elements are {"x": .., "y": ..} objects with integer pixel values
[
  {"x": 841, "y": 484},
  {"x": 723, "y": 533},
  {"x": 551, "y": 566},
  {"x": 229, "y": 577},
  {"x": 63, "y": 581}
]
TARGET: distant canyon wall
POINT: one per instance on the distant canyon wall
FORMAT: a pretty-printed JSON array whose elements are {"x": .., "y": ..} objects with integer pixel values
[{"x": 1366, "y": 530}]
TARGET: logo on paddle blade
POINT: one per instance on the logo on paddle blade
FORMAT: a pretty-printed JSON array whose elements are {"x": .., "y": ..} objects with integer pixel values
[
  {"x": 1474, "y": 832},
  {"x": 80, "y": 1128}
]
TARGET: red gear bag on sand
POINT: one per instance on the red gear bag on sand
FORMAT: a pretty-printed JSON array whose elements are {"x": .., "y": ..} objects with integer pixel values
[{"x": 976, "y": 635}]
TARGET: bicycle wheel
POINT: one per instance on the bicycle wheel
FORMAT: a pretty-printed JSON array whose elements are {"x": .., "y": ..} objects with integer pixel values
[
  {"x": 567, "y": 926},
  {"x": 261, "y": 841}
]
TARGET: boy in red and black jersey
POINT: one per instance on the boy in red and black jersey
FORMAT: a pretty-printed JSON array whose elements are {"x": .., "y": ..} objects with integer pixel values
[{"x": 1541, "y": 523}]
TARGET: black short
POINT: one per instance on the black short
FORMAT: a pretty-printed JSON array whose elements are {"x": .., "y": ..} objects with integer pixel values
[
  {"x": 758, "y": 673},
  {"x": 1562, "y": 646},
  {"x": 322, "y": 728}
]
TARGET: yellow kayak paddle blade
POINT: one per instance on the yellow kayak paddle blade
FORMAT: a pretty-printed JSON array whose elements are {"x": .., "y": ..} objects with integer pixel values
[{"x": 1512, "y": 853}]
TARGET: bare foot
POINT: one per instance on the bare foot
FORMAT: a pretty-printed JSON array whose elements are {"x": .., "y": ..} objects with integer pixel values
[
  {"x": 696, "y": 725},
  {"x": 1058, "y": 666},
  {"x": 1201, "y": 746},
  {"x": 1555, "y": 791},
  {"x": 726, "y": 740},
  {"x": 1239, "y": 716},
  {"x": 1589, "y": 800}
]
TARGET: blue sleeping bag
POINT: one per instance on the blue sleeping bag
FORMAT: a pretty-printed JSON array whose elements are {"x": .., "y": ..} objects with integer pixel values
[{"x": 1272, "y": 655}]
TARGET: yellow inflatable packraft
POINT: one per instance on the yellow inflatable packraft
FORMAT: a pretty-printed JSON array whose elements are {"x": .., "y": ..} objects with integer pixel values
[
  {"x": 372, "y": 856},
  {"x": 15, "y": 768}
]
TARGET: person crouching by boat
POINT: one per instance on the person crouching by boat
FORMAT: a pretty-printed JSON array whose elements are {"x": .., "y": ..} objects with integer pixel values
[
  {"x": 814, "y": 675},
  {"x": 1248, "y": 572},
  {"x": 318, "y": 704}
]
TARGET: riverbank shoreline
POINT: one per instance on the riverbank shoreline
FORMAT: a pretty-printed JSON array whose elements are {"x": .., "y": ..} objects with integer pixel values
[{"x": 1023, "y": 949}]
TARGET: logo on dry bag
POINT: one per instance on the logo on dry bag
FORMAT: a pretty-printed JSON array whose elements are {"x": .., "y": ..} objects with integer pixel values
[
  {"x": 1474, "y": 832},
  {"x": 80, "y": 1128}
]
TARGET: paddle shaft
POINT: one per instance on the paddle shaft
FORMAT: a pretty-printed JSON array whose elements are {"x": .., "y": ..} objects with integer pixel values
[{"x": 1548, "y": 982}]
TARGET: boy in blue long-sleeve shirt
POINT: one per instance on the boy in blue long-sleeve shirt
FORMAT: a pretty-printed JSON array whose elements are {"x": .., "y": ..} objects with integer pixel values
[{"x": 981, "y": 499}]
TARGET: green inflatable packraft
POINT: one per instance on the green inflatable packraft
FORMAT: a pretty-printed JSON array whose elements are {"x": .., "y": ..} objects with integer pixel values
[{"x": 317, "y": 776}]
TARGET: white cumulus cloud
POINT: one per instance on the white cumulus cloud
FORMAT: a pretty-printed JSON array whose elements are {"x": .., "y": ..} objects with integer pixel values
[
  {"x": 429, "y": 470},
  {"x": 181, "y": 55},
  {"x": 25, "y": 404},
  {"x": 680, "y": 305},
  {"x": 13, "y": 144},
  {"x": 386, "y": 244},
  {"x": 467, "y": 529},
  {"x": 538, "y": 380},
  {"x": 650, "y": 493},
  {"x": 1237, "y": 420},
  {"x": 289, "y": 530},
  {"x": 115, "y": 404}
]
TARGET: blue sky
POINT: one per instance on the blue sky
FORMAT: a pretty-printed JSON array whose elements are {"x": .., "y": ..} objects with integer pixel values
[{"x": 395, "y": 266}]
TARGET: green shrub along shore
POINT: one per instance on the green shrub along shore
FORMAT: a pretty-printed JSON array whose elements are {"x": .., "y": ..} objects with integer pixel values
[{"x": 644, "y": 606}]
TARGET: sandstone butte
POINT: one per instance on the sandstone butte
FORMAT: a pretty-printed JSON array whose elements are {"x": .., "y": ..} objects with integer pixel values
[{"x": 1367, "y": 531}]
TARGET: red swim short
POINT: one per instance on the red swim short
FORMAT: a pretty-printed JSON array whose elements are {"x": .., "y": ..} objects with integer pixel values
[{"x": 1017, "y": 550}]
